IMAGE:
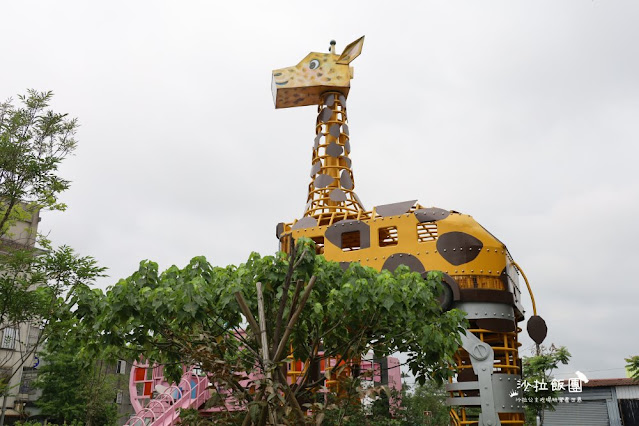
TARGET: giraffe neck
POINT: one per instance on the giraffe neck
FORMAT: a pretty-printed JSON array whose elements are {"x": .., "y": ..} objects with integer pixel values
[{"x": 330, "y": 194}]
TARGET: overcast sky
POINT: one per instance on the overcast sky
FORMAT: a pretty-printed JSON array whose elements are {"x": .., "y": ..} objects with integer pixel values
[{"x": 523, "y": 114}]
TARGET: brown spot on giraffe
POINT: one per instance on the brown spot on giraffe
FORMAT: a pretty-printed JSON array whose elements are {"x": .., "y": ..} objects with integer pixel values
[{"x": 458, "y": 247}]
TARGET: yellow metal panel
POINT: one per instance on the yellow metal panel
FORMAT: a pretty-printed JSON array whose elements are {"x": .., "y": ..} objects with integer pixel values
[{"x": 490, "y": 262}]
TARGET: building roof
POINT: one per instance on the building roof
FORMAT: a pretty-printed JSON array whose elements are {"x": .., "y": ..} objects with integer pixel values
[{"x": 596, "y": 383}]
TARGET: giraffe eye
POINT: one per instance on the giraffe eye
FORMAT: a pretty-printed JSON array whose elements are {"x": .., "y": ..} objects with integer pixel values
[{"x": 314, "y": 64}]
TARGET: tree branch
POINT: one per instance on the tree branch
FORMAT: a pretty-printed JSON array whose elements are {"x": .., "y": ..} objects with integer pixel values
[
  {"x": 289, "y": 328},
  {"x": 247, "y": 313}
]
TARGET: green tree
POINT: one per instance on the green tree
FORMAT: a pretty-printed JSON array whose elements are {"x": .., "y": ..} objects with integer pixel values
[
  {"x": 633, "y": 366},
  {"x": 198, "y": 316},
  {"x": 539, "y": 369},
  {"x": 37, "y": 279},
  {"x": 425, "y": 405},
  {"x": 76, "y": 391},
  {"x": 348, "y": 410},
  {"x": 33, "y": 142}
]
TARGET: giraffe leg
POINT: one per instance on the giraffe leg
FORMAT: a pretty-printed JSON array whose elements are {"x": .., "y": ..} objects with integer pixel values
[{"x": 482, "y": 359}]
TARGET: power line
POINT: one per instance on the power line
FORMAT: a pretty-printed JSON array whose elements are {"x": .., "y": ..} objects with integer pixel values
[{"x": 593, "y": 371}]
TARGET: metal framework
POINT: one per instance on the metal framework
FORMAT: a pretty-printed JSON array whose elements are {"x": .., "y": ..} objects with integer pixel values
[{"x": 480, "y": 276}]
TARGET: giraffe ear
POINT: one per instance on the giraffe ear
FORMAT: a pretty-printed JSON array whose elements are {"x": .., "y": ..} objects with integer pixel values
[{"x": 351, "y": 51}]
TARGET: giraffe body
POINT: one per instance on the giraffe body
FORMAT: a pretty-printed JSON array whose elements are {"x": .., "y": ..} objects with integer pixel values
[{"x": 480, "y": 276}]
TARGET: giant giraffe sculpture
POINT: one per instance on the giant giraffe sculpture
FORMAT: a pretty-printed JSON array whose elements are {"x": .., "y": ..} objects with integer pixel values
[{"x": 480, "y": 276}]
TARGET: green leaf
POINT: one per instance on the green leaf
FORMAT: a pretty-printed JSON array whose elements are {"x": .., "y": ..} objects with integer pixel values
[
  {"x": 388, "y": 302},
  {"x": 191, "y": 307}
]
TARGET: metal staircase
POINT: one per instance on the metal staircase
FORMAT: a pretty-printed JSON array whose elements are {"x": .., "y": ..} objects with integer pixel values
[{"x": 158, "y": 403}]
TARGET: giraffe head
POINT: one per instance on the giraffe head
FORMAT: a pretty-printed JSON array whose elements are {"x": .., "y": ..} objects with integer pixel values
[{"x": 304, "y": 83}]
